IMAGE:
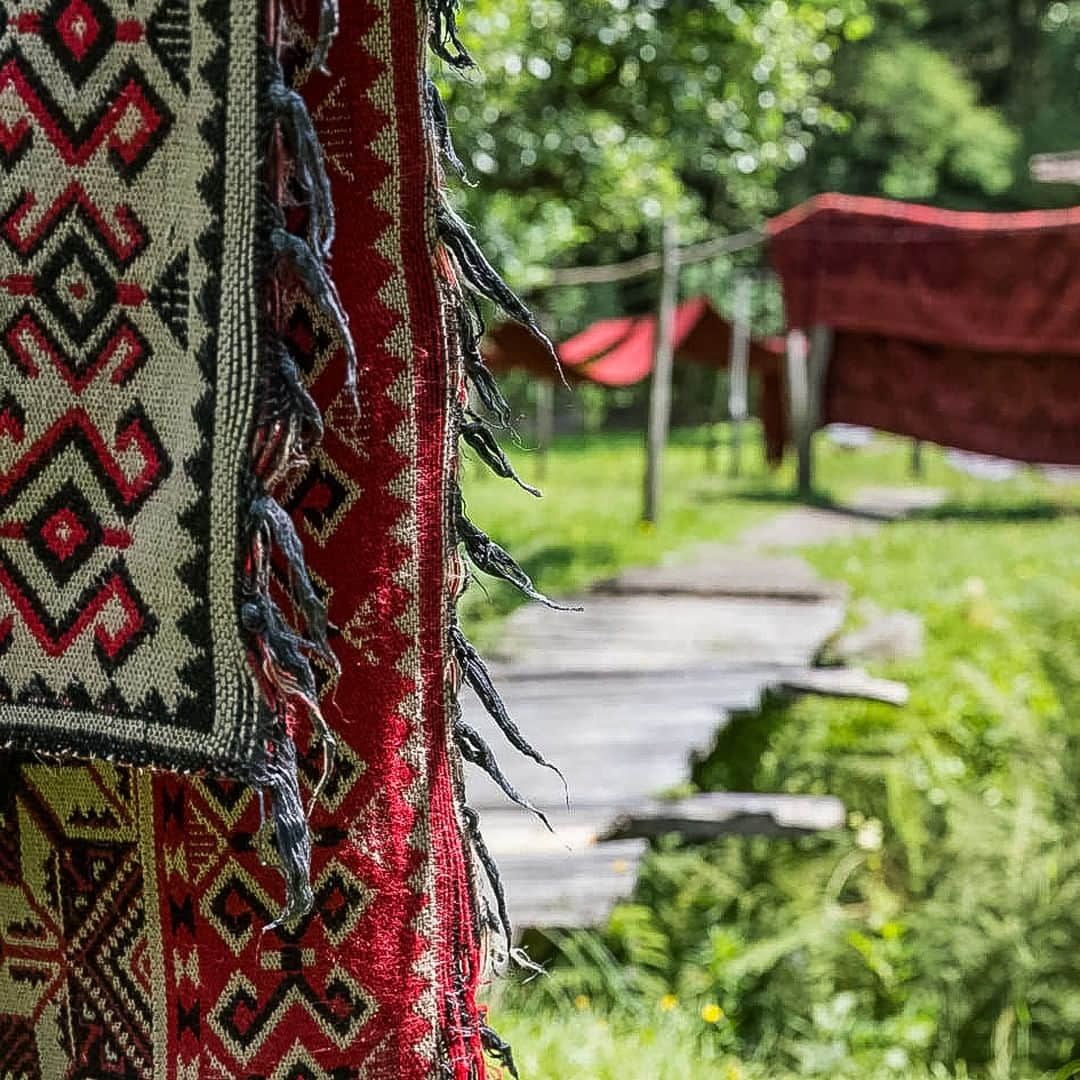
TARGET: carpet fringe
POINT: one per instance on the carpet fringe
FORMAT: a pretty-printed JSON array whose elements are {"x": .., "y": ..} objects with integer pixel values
[
  {"x": 470, "y": 277},
  {"x": 287, "y": 427}
]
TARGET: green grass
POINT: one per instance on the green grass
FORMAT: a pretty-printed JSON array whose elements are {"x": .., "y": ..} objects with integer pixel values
[
  {"x": 585, "y": 1044},
  {"x": 588, "y": 526},
  {"x": 935, "y": 938},
  {"x": 582, "y": 1043}
]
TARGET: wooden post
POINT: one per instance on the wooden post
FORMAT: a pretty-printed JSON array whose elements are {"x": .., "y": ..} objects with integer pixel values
[
  {"x": 798, "y": 393},
  {"x": 916, "y": 458},
  {"x": 716, "y": 409},
  {"x": 807, "y": 363},
  {"x": 739, "y": 369},
  {"x": 545, "y": 423},
  {"x": 660, "y": 387},
  {"x": 821, "y": 342}
]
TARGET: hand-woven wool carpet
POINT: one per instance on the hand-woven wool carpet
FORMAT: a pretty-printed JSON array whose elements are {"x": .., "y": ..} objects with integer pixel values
[
  {"x": 959, "y": 328},
  {"x": 214, "y": 515}
]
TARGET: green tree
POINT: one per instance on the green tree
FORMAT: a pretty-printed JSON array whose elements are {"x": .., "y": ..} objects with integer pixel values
[
  {"x": 947, "y": 100},
  {"x": 594, "y": 118},
  {"x": 914, "y": 130}
]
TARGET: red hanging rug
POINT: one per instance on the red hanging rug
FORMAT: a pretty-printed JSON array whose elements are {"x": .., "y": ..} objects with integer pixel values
[{"x": 142, "y": 927}]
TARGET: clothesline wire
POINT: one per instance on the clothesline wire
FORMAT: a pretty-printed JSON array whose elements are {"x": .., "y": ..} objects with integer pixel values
[
  {"x": 651, "y": 262},
  {"x": 647, "y": 264}
]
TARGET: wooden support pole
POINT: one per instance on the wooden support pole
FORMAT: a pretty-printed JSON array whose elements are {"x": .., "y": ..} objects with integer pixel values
[
  {"x": 798, "y": 394},
  {"x": 916, "y": 458},
  {"x": 545, "y": 423},
  {"x": 660, "y": 386},
  {"x": 739, "y": 369},
  {"x": 716, "y": 411},
  {"x": 807, "y": 364}
]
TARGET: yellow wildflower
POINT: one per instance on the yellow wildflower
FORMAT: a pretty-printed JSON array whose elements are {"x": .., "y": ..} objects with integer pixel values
[
  {"x": 668, "y": 1002},
  {"x": 581, "y": 1001},
  {"x": 712, "y": 1013}
]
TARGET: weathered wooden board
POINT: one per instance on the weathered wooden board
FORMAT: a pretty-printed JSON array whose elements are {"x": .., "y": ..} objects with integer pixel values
[
  {"x": 622, "y": 695},
  {"x": 713, "y": 571},
  {"x": 717, "y": 814},
  {"x": 845, "y": 682},
  {"x": 615, "y": 737},
  {"x": 893, "y": 503},
  {"x": 666, "y": 633},
  {"x": 803, "y": 526},
  {"x": 570, "y": 892}
]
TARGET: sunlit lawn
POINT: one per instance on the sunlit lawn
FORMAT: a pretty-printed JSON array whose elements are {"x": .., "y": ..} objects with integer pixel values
[{"x": 588, "y": 525}]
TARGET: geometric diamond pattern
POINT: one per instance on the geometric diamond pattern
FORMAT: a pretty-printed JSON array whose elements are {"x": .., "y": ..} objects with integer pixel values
[
  {"x": 114, "y": 183},
  {"x": 80, "y": 33},
  {"x": 64, "y": 533},
  {"x": 78, "y": 290},
  {"x": 376, "y": 982}
]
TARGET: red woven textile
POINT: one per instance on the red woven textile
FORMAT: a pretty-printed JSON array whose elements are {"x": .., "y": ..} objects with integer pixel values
[
  {"x": 132, "y": 905},
  {"x": 1020, "y": 406},
  {"x": 619, "y": 352},
  {"x": 597, "y": 339},
  {"x": 1002, "y": 282}
]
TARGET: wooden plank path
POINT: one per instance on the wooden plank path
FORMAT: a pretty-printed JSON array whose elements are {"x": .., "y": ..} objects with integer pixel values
[{"x": 623, "y": 694}]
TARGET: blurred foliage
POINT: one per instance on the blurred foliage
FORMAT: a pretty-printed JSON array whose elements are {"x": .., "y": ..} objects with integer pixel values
[
  {"x": 591, "y": 119},
  {"x": 571, "y": 538},
  {"x": 914, "y": 131},
  {"x": 586, "y": 121},
  {"x": 947, "y": 100}
]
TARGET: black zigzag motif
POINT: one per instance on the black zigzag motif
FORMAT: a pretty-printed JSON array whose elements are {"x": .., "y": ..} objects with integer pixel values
[
  {"x": 80, "y": 370},
  {"x": 77, "y": 143},
  {"x": 245, "y": 1017},
  {"x": 57, "y": 634},
  {"x": 170, "y": 298},
  {"x": 74, "y": 204},
  {"x": 169, "y": 33}
]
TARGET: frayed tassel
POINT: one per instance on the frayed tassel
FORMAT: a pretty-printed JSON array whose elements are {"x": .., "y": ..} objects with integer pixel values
[
  {"x": 476, "y": 751},
  {"x": 445, "y": 42},
  {"x": 470, "y": 330},
  {"x": 307, "y": 155},
  {"x": 482, "y": 439},
  {"x": 491, "y": 872},
  {"x": 267, "y": 513},
  {"x": 487, "y": 389},
  {"x": 440, "y": 124},
  {"x": 313, "y": 276},
  {"x": 480, "y": 275},
  {"x": 288, "y": 668},
  {"x": 261, "y": 617},
  {"x": 288, "y": 397},
  {"x": 495, "y": 560},
  {"x": 475, "y": 673},
  {"x": 499, "y": 1049},
  {"x": 277, "y": 774},
  {"x": 329, "y": 24}
]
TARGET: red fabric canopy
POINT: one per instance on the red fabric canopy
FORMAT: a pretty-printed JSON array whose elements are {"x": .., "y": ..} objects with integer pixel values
[
  {"x": 1014, "y": 405},
  {"x": 619, "y": 352},
  {"x": 1003, "y": 282},
  {"x": 596, "y": 339},
  {"x": 510, "y": 346}
]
